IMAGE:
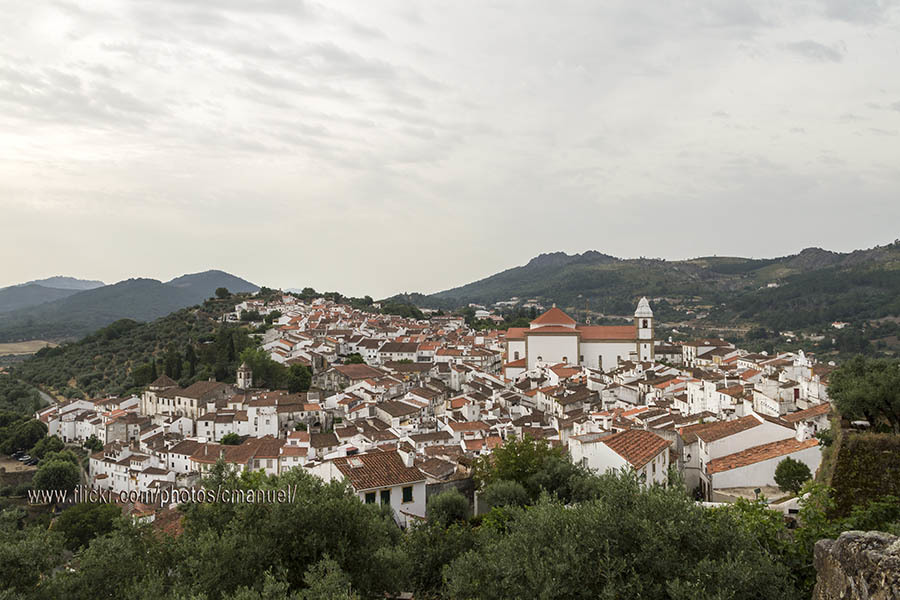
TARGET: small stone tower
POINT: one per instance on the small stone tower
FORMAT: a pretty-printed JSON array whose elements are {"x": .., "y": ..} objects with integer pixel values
[{"x": 244, "y": 377}]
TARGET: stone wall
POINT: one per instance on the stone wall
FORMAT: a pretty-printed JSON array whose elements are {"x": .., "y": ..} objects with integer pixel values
[{"x": 859, "y": 565}]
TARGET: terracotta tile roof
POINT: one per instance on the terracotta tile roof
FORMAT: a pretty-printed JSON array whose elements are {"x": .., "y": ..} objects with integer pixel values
[
  {"x": 558, "y": 329},
  {"x": 758, "y": 454},
  {"x": 554, "y": 316},
  {"x": 607, "y": 332},
  {"x": 377, "y": 470},
  {"x": 813, "y": 411},
  {"x": 636, "y": 446},
  {"x": 516, "y": 333},
  {"x": 358, "y": 371},
  {"x": 710, "y": 432}
]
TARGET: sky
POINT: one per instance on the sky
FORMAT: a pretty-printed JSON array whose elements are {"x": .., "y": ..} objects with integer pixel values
[{"x": 390, "y": 146}]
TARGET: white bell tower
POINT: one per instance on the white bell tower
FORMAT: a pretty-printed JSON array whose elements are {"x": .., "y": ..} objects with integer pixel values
[
  {"x": 244, "y": 377},
  {"x": 643, "y": 323}
]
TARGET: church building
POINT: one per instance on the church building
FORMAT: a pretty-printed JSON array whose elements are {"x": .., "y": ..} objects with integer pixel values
[{"x": 555, "y": 338}]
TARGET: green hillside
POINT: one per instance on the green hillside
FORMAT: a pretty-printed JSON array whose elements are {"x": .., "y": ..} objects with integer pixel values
[
  {"x": 122, "y": 356},
  {"x": 811, "y": 288},
  {"x": 138, "y": 299},
  {"x": 22, "y": 296}
]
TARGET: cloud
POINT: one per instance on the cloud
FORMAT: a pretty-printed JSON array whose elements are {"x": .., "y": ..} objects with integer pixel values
[
  {"x": 817, "y": 52},
  {"x": 296, "y": 123}
]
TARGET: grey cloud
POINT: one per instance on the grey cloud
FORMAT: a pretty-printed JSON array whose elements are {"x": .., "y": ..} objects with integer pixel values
[
  {"x": 859, "y": 11},
  {"x": 818, "y": 52},
  {"x": 54, "y": 95}
]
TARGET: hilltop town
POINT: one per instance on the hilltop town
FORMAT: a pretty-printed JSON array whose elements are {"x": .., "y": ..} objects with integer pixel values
[{"x": 401, "y": 407}]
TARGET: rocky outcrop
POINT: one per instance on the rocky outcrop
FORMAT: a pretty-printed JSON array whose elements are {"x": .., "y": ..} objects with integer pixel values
[{"x": 859, "y": 565}]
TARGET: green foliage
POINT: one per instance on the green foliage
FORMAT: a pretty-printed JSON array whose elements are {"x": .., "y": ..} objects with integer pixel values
[
  {"x": 531, "y": 463},
  {"x": 430, "y": 547},
  {"x": 447, "y": 508},
  {"x": 790, "y": 475},
  {"x": 64, "y": 455},
  {"x": 627, "y": 542},
  {"x": 47, "y": 444},
  {"x": 502, "y": 493},
  {"x": 93, "y": 444},
  {"x": 299, "y": 378},
  {"x": 26, "y": 556},
  {"x": 866, "y": 388},
  {"x": 222, "y": 293},
  {"x": 56, "y": 474},
  {"x": 403, "y": 310},
  {"x": 355, "y": 359},
  {"x": 120, "y": 360},
  {"x": 866, "y": 467},
  {"x": 17, "y": 433},
  {"x": 326, "y": 580},
  {"x": 17, "y": 397},
  {"x": 81, "y": 523},
  {"x": 231, "y": 439}
]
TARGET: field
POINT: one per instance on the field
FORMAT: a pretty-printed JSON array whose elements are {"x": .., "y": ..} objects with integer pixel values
[{"x": 29, "y": 347}]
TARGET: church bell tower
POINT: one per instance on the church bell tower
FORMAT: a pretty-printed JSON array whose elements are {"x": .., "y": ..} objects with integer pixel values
[{"x": 643, "y": 323}]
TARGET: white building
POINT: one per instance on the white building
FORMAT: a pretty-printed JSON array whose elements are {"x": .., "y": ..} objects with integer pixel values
[
  {"x": 643, "y": 451},
  {"x": 384, "y": 477},
  {"x": 554, "y": 337}
]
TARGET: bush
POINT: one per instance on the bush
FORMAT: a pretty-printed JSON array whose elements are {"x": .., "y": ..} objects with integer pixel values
[
  {"x": 790, "y": 475},
  {"x": 447, "y": 508}
]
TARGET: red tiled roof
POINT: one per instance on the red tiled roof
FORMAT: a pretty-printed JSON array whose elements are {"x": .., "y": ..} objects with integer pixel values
[
  {"x": 710, "y": 432},
  {"x": 813, "y": 411},
  {"x": 552, "y": 329},
  {"x": 758, "y": 454},
  {"x": 377, "y": 470},
  {"x": 637, "y": 446},
  {"x": 607, "y": 332},
  {"x": 516, "y": 333},
  {"x": 554, "y": 316}
]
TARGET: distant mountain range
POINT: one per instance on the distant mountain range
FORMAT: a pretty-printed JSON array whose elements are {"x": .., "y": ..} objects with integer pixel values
[
  {"x": 807, "y": 288},
  {"x": 38, "y": 310}
]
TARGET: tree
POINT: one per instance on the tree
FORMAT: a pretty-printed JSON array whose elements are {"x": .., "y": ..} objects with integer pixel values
[
  {"x": 447, "y": 508},
  {"x": 83, "y": 522},
  {"x": 504, "y": 493},
  {"x": 868, "y": 388},
  {"x": 231, "y": 439},
  {"x": 355, "y": 359},
  {"x": 327, "y": 581},
  {"x": 299, "y": 378},
  {"x": 47, "y": 444},
  {"x": 93, "y": 444},
  {"x": 65, "y": 455},
  {"x": 523, "y": 461},
  {"x": 222, "y": 293},
  {"x": 23, "y": 436},
  {"x": 790, "y": 475},
  {"x": 56, "y": 475}
]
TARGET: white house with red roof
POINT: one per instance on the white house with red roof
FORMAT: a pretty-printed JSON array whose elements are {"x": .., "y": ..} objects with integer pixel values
[
  {"x": 554, "y": 337},
  {"x": 644, "y": 451}
]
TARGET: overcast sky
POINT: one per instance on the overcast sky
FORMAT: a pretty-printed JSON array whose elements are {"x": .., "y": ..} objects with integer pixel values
[{"x": 379, "y": 147}]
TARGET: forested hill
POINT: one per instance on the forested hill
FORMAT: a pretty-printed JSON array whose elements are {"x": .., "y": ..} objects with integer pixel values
[
  {"x": 126, "y": 355},
  {"x": 820, "y": 284},
  {"x": 80, "y": 313}
]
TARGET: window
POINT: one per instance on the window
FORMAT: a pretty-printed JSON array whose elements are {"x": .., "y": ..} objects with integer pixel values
[
  {"x": 370, "y": 497},
  {"x": 408, "y": 494},
  {"x": 516, "y": 355},
  {"x": 385, "y": 496},
  {"x": 565, "y": 359}
]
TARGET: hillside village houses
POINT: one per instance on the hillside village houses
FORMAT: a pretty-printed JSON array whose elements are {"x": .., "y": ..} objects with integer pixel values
[{"x": 430, "y": 395}]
